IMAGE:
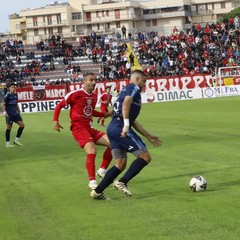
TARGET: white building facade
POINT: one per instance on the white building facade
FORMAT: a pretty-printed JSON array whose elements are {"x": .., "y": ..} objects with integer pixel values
[{"x": 74, "y": 18}]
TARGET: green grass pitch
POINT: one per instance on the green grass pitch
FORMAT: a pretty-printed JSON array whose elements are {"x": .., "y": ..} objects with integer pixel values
[{"x": 43, "y": 185}]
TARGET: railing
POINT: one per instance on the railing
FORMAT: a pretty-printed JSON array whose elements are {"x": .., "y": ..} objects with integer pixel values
[
  {"x": 183, "y": 13},
  {"x": 202, "y": 12},
  {"x": 111, "y": 18},
  {"x": 54, "y": 23}
]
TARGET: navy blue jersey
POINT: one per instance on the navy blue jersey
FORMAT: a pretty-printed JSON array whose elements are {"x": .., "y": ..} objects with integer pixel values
[
  {"x": 132, "y": 142},
  {"x": 129, "y": 90},
  {"x": 11, "y": 101}
]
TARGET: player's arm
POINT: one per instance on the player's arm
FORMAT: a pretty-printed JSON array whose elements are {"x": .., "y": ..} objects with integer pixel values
[
  {"x": 108, "y": 114},
  {"x": 110, "y": 102},
  {"x": 57, "y": 110},
  {"x": 102, "y": 114},
  {"x": 101, "y": 99},
  {"x": 125, "y": 113},
  {"x": 18, "y": 109},
  {"x": 4, "y": 108},
  {"x": 156, "y": 142}
]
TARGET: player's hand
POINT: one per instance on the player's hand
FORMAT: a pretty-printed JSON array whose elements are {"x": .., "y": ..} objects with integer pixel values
[
  {"x": 156, "y": 142},
  {"x": 108, "y": 114},
  {"x": 124, "y": 131},
  {"x": 57, "y": 126}
]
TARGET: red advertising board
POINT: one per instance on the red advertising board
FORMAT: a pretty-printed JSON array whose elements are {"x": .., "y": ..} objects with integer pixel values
[{"x": 54, "y": 92}]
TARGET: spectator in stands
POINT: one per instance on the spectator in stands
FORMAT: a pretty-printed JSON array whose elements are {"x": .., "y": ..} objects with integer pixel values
[
  {"x": 46, "y": 44},
  {"x": 65, "y": 60},
  {"x": 214, "y": 45},
  {"x": 128, "y": 67},
  {"x": 94, "y": 55},
  {"x": 74, "y": 77},
  {"x": 27, "y": 71},
  {"x": 175, "y": 30},
  {"x": 44, "y": 67},
  {"x": 57, "y": 82},
  {"x": 106, "y": 44},
  {"x": 104, "y": 59},
  {"x": 32, "y": 79},
  {"x": 78, "y": 69},
  {"x": 36, "y": 69},
  {"x": 236, "y": 22},
  {"x": 41, "y": 45},
  {"x": 130, "y": 36},
  {"x": 18, "y": 59},
  {"x": 111, "y": 74},
  {"x": 43, "y": 58},
  {"x": 31, "y": 55},
  {"x": 231, "y": 23},
  {"x": 118, "y": 36},
  {"x": 52, "y": 65},
  {"x": 69, "y": 70},
  {"x": 131, "y": 57},
  {"x": 62, "y": 81},
  {"x": 124, "y": 30},
  {"x": 42, "y": 83},
  {"x": 47, "y": 82},
  {"x": 89, "y": 52},
  {"x": 58, "y": 39}
]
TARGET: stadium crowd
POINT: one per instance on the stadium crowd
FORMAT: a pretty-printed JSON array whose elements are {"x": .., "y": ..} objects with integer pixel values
[{"x": 200, "y": 50}]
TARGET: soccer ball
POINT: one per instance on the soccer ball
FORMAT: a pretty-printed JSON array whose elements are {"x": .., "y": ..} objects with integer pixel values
[{"x": 198, "y": 184}]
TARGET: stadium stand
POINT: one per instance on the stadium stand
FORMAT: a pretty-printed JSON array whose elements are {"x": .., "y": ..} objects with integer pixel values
[{"x": 54, "y": 61}]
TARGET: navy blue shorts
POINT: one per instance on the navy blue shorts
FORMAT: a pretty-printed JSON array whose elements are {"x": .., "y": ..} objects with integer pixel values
[
  {"x": 13, "y": 118},
  {"x": 132, "y": 143}
]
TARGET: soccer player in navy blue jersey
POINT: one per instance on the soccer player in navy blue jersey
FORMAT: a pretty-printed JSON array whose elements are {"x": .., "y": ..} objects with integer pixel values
[
  {"x": 12, "y": 113},
  {"x": 124, "y": 139}
]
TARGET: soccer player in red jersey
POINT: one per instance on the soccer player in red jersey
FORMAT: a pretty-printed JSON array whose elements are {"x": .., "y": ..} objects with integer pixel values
[
  {"x": 82, "y": 108},
  {"x": 105, "y": 101}
]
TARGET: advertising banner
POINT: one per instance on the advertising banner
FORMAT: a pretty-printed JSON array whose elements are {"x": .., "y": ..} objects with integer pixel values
[
  {"x": 44, "y": 98},
  {"x": 186, "y": 94},
  {"x": 53, "y": 92},
  {"x": 212, "y": 92}
]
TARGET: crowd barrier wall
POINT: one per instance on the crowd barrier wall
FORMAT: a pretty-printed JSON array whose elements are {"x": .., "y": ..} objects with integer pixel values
[{"x": 46, "y": 97}]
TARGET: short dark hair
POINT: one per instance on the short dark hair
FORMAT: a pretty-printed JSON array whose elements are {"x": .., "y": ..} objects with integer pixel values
[
  {"x": 11, "y": 84},
  {"x": 139, "y": 71},
  {"x": 108, "y": 87},
  {"x": 88, "y": 74}
]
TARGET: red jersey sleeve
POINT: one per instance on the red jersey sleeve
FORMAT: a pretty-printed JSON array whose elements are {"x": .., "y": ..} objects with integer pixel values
[
  {"x": 98, "y": 114},
  {"x": 57, "y": 110},
  {"x": 106, "y": 98}
]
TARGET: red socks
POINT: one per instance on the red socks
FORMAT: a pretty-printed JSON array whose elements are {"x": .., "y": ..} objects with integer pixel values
[
  {"x": 107, "y": 158},
  {"x": 90, "y": 165},
  {"x": 102, "y": 122}
]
